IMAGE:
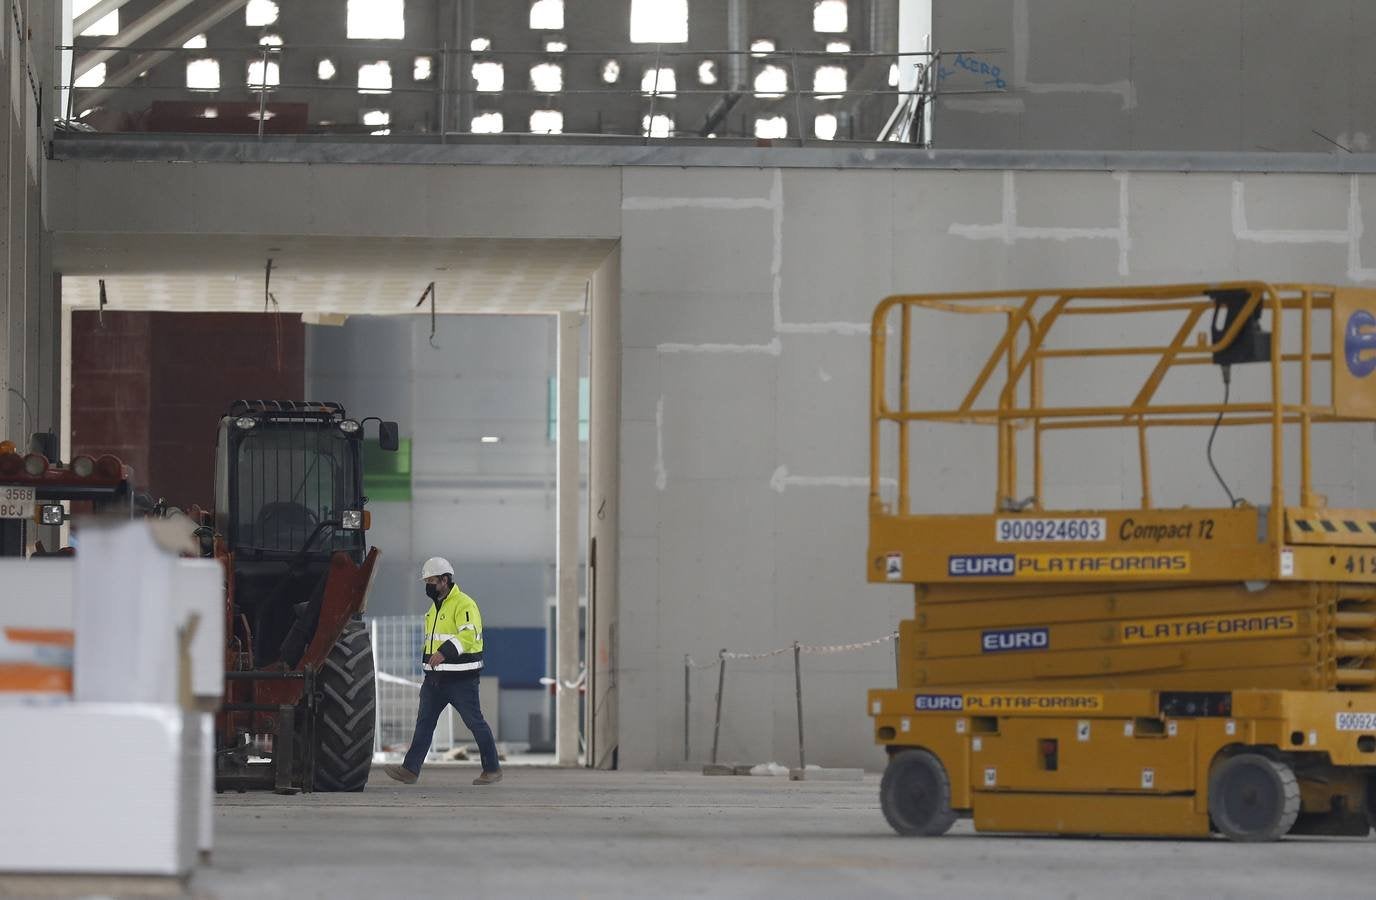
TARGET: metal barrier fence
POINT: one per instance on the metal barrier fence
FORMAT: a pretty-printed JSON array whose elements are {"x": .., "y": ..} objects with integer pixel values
[
  {"x": 449, "y": 100},
  {"x": 797, "y": 649},
  {"x": 396, "y": 656}
]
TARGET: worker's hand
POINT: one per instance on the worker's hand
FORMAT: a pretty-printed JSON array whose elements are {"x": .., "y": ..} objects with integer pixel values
[{"x": 436, "y": 658}]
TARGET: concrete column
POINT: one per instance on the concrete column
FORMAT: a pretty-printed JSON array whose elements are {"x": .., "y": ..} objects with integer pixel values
[
  {"x": 456, "y": 28},
  {"x": 737, "y": 74},
  {"x": 604, "y": 442},
  {"x": 63, "y": 315},
  {"x": 463, "y": 83},
  {"x": 50, "y": 346},
  {"x": 11, "y": 331},
  {"x": 18, "y": 258},
  {"x": 884, "y": 22},
  {"x": 566, "y": 544},
  {"x": 37, "y": 356}
]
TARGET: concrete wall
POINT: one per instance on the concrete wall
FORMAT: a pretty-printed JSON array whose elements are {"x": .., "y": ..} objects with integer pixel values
[
  {"x": 1234, "y": 75},
  {"x": 746, "y": 297},
  {"x": 29, "y": 324},
  {"x": 355, "y": 200},
  {"x": 744, "y": 306}
]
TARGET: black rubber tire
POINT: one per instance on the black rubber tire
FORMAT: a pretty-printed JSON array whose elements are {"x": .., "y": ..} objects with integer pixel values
[
  {"x": 1371, "y": 800},
  {"x": 344, "y": 719},
  {"x": 1253, "y": 798},
  {"x": 915, "y": 794}
]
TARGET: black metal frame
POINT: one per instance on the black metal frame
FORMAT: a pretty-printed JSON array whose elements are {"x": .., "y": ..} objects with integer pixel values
[
  {"x": 284, "y": 414},
  {"x": 106, "y": 498},
  {"x": 288, "y": 772}
]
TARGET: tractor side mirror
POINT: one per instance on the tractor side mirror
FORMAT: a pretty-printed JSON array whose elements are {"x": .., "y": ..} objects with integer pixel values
[{"x": 388, "y": 435}]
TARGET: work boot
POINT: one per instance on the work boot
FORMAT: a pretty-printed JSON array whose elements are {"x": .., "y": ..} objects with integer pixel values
[
  {"x": 489, "y": 777},
  {"x": 401, "y": 773}
]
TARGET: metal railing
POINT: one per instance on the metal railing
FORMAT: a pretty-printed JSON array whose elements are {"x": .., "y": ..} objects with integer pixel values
[
  {"x": 396, "y": 659},
  {"x": 144, "y": 94},
  {"x": 1017, "y": 399}
]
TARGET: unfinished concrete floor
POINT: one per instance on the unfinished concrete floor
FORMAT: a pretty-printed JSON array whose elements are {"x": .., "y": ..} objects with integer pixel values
[{"x": 551, "y": 833}]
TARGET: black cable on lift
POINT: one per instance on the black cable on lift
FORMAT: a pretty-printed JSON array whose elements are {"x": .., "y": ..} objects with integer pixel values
[{"x": 1209, "y": 449}]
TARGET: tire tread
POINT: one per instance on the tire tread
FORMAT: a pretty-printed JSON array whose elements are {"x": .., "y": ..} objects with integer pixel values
[
  {"x": 1290, "y": 798},
  {"x": 891, "y": 784},
  {"x": 344, "y": 719}
]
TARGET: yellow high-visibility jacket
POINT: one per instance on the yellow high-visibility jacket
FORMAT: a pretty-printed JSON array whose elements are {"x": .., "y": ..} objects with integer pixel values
[{"x": 454, "y": 628}]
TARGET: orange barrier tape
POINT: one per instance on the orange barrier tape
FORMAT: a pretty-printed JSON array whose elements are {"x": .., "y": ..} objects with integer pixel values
[
  {"x": 57, "y": 637},
  {"x": 33, "y": 678}
]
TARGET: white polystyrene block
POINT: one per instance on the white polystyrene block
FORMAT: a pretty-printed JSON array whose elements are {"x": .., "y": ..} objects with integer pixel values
[
  {"x": 205, "y": 788},
  {"x": 198, "y": 589},
  {"x": 100, "y": 788},
  {"x": 126, "y": 644},
  {"x": 37, "y": 597},
  {"x": 37, "y": 594}
]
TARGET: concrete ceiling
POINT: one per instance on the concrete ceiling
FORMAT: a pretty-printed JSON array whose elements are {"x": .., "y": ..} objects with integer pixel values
[{"x": 349, "y": 275}]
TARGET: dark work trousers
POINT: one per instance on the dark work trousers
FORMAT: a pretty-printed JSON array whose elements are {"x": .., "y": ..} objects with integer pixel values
[{"x": 461, "y": 692}]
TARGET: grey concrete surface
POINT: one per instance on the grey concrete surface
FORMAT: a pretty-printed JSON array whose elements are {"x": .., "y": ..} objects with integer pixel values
[
  {"x": 578, "y": 833},
  {"x": 1154, "y": 75}
]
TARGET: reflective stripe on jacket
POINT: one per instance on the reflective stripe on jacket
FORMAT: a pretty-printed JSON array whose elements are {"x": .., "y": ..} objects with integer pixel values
[{"x": 454, "y": 628}]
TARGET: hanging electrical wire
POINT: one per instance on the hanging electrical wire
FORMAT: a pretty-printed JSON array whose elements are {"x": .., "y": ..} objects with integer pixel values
[
  {"x": 1209, "y": 448},
  {"x": 267, "y": 284},
  {"x": 430, "y": 293},
  {"x": 270, "y": 297},
  {"x": 28, "y": 410}
]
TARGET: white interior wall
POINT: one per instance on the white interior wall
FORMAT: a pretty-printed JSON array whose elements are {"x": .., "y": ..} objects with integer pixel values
[
  {"x": 745, "y": 299},
  {"x": 1228, "y": 75}
]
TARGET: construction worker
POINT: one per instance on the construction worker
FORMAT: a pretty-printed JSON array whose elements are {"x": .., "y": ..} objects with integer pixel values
[{"x": 452, "y": 657}]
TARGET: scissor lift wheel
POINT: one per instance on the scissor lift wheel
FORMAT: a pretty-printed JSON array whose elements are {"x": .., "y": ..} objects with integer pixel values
[
  {"x": 915, "y": 794},
  {"x": 1253, "y": 798}
]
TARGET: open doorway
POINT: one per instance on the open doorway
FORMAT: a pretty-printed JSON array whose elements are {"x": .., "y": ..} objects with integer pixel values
[
  {"x": 475, "y": 482},
  {"x": 474, "y": 479},
  {"x": 473, "y": 386}
]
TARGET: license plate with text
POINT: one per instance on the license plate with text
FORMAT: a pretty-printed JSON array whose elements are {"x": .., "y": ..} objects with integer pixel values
[
  {"x": 1355, "y": 721},
  {"x": 1010, "y": 531},
  {"x": 16, "y": 502}
]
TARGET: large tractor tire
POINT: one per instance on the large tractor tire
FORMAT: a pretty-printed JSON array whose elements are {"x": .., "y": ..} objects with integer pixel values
[{"x": 344, "y": 719}]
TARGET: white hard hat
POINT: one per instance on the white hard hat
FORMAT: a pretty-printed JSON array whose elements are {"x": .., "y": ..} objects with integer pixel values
[{"x": 436, "y": 565}]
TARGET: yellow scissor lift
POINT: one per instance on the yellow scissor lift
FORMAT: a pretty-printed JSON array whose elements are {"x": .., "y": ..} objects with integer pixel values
[{"x": 1144, "y": 671}]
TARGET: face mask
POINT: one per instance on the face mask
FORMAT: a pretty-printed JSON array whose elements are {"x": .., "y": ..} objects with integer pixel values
[{"x": 432, "y": 591}]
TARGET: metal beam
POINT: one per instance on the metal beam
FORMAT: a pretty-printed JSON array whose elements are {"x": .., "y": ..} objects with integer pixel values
[
  {"x": 601, "y": 708},
  {"x": 153, "y": 58},
  {"x": 93, "y": 15},
  {"x": 137, "y": 29},
  {"x": 737, "y": 74},
  {"x": 566, "y": 541},
  {"x": 562, "y": 151}
]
